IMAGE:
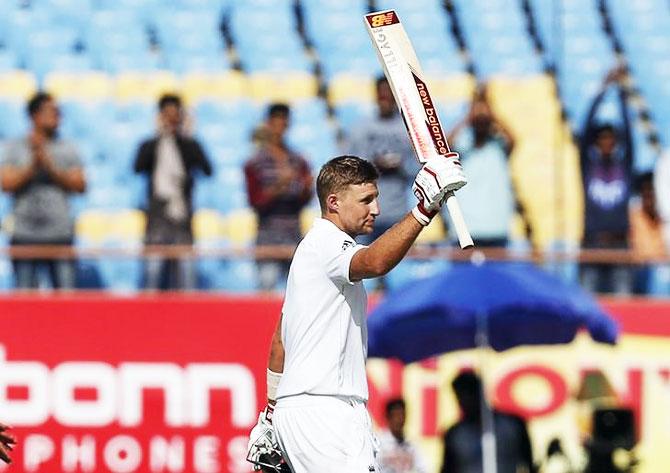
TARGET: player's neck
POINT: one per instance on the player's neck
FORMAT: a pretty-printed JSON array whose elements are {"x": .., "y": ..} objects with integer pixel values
[{"x": 335, "y": 220}]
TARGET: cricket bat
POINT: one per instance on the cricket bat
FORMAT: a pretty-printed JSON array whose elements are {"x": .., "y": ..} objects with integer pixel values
[{"x": 402, "y": 69}]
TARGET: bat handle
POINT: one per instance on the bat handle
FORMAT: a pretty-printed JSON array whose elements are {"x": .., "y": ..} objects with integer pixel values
[{"x": 457, "y": 219}]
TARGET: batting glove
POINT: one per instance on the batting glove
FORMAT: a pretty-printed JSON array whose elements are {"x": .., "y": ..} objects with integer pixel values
[
  {"x": 263, "y": 449},
  {"x": 437, "y": 177}
]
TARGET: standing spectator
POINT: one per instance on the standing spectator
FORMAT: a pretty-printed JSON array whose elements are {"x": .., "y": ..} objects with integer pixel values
[
  {"x": 396, "y": 453},
  {"x": 606, "y": 155},
  {"x": 488, "y": 202},
  {"x": 646, "y": 231},
  {"x": 41, "y": 171},
  {"x": 170, "y": 160},
  {"x": 462, "y": 442},
  {"x": 662, "y": 194},
  {"x": 279, "y": 185},
  {"x": 384, "y": 141}
]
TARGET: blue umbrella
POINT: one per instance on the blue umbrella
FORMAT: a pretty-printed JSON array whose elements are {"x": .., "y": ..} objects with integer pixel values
[
  {"x": 501, "y": 305},
  {"x": 518, "y": 304}
]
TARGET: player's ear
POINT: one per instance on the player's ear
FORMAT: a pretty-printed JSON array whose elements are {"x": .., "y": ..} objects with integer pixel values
[{"x": 333, "y": 203}]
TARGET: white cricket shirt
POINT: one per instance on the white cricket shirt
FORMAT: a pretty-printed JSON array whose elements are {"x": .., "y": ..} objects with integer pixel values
[{"x": 324, "y": 326}]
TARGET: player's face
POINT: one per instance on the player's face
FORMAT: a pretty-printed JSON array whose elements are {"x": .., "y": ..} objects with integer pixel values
[{"x": 358, "y": 208}]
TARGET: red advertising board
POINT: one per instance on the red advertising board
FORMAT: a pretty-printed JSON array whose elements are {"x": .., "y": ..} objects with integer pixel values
[
  {"x": 165, "y": 383},
  {"x": 162, "y": 383}
]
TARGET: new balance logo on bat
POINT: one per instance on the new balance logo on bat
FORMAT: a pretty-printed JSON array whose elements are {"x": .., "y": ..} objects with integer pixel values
[{"x": 432, "y": 121}]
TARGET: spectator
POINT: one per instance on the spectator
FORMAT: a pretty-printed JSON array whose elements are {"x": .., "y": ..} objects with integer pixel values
[
  {"x": 41, "y": 171},
  {"x": 384, "y": 141},
  {"x": 170, "y": 160},
  {"x": 662, "y": 194},
  {"x": 396, "y": 453},
  {"x": 606, "y": 155},
  {"x": 646, "y": 231},
  {"x": 488, "y": 201},
  {"x": 462, "y": 442},
  {"x": 279, "y": 185}
]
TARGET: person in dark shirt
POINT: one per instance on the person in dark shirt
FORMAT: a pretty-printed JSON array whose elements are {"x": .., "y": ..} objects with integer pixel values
[
  {"x": 606, "y": 158},
  {"x": 170, "y": 161},
  {"x": 463, "y": 441},
  {"x": 279, "y": 186}
]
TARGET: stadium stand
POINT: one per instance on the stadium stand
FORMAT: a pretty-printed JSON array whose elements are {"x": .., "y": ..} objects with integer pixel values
[{"x": 106, "y": 61}]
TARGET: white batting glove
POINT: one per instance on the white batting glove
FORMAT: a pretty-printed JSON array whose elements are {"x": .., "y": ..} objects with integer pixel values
[{"x": 437, "y": 177}]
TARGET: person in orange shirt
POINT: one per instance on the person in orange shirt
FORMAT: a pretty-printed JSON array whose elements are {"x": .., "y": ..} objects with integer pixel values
[{"x": 646, "y": 231}]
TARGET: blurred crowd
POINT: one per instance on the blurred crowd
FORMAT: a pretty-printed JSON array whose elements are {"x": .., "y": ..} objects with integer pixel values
[
  {"x": 622, "y": 210},
  {"x": 605, "y": 426}
]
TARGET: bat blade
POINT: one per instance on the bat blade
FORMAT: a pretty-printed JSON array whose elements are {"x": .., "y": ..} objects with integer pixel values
[{"x": 403, "y": 71}]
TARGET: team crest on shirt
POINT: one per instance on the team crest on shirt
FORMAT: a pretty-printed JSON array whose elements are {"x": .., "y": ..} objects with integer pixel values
[{"x": 347, "y": 244}]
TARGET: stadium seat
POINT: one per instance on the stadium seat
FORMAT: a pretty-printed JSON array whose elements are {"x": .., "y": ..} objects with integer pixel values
[
  {"x": 204, "y": 86},
  {"x": 530, "y": 108},
  {"x": 79, "y": 86},
  {"x": 17, "y": 85},
  {"x": 208, "y": 226},
  {"x": 13, "y": 119},
  {"x": 289, "y": 87},
  {"x": 241, "y": 227},
  {"x": 137, "y": 86},
  {"x": 8, "y": 60},
  {"x": 349, "y": 88}
]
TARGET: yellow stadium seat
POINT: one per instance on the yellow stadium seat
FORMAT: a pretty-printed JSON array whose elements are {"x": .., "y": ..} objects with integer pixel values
[
  {"x": 241, "y": 227},
  {"x": 207, "y": 225},
  {"x": 450, "y": 89},
  {"x": 148, "y": 86},
  {"x": 79, "y": 85},
  {"x": 285, "y": 87},
  {"x": 17, "y": 85},
  {"x": 307, "y": 217},
  {"x": 545, "y": 161},
  {"x": 433, "y": 233},
  {"x": 199, "y": 86},
  {"x": 128, "y": 226},
  {"x": 351, "y": 88},
  {"x": 92, "y": 227}
]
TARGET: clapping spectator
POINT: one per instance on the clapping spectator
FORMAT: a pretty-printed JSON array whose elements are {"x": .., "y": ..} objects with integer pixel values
[
  {"x": 606, "y": 155},
  {"x": 279, "y": 186},
  {"x": 170, "y": 161},
  {"x": 41, "y": 171},
  {"x": 488, "y": 201}
]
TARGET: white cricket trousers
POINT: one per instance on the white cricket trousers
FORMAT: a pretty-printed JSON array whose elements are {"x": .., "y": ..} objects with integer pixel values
[{"x": 325, "y": 434}]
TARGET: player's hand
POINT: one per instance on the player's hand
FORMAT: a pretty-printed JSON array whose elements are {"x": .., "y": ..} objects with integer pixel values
[
  {"x": 7, "y": 443},
  {"x": 264, "y": 450},
  {"x": 437, "y": 177}
]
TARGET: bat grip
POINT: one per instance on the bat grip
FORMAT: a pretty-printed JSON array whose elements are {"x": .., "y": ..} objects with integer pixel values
[{"x": 457, "y": 219}]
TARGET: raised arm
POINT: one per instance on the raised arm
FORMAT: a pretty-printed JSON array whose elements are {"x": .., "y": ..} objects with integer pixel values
[
  {"x": 386, "y": 251},
  {"x": 437, "y": 177}
]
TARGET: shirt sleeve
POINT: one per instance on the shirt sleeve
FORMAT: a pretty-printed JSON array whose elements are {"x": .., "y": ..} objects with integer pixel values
[
  {"x": 337, "y": 255},
  {"x": 12, "y": 156},
  {"x": 71, "y": 157}
]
